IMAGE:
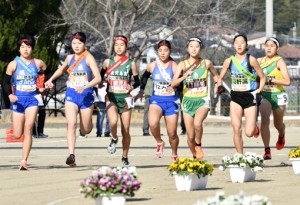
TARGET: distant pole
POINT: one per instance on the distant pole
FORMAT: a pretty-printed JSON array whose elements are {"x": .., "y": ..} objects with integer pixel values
[
  {"x": 294, "y": 32},
  {"x": 269, "y": 18}
]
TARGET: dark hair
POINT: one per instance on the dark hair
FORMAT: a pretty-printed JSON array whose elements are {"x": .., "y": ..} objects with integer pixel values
[
  {"x": 164, "y": 43},
  {"x": 241, "y": 35},
  {"x": 80, "y": 36},
  {"x": 27, "y": 39},
  {"x": 195, "y": 39},
  {"x": 275, "y": 40}
]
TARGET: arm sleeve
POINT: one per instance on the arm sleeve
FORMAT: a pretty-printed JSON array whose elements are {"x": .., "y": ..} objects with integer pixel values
[
  {"x": 137, "y": 81},
  {"x": 6, "y": 85},
  {"x": 144, "y": 79},
  {"x": 179, "y": 87},
  {"x": 102, "y": 73}
]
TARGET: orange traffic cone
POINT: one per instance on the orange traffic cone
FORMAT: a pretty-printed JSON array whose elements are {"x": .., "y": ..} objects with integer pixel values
[{"x": 10, "y": 136}]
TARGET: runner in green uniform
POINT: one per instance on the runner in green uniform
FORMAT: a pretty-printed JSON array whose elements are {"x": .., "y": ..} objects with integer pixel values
[
  {"x": 195, "y": 102},
  {"x": 274, "y": 97},
  {"x": 117, "y": 71}
]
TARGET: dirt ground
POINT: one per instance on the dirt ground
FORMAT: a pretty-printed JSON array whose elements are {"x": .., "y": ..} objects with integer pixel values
[{"x": 49, "y": 181}]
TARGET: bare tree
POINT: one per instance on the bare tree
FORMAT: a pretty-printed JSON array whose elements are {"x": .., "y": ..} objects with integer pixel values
[{"x": 145, "y": 22}]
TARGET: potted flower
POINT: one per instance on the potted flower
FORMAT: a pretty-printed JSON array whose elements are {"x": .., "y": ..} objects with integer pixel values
[
  {"x": 110, "y": 185},
  {"x": 190, "y": 174},
  {"x": 294, "y": 155},
  {"x": 221, "y": 198},
  {"x": 243, "y": 167}
]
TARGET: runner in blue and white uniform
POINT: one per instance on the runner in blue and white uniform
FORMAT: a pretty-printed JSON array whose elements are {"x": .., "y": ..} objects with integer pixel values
[
  {"x": 164, "y": 101},
  {"x": 83, "y": 76},
  {"x": 22, "y": 73}
]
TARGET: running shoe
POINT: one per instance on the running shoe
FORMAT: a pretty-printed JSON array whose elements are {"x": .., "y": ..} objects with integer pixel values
[
  {"x": 257, "y": 132},
  {"x": 107, "y": 134},
  {"x": 23, "y": 165},
  {"x": 42, "y": 135},
  {"x": 267, "y": 155},
  {"x": 175, "y": 158},
  {"x": 112, "y": 147},
  {"x": 125, "y": 162},
  {"x": 280, "y": 142},
  {"x": 199, "y": 152},
  {"x": 71, "y": 160},
  {"x": 160, "y": 149},
  {"x": 82, "y": 136}
]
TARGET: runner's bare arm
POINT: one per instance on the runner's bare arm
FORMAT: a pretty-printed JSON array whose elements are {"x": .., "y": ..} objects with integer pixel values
[
  {"x": 58, "y": 72},
  {"x": 176, "y": 78},
  {"x": 40, "y": 64},
  {"x": 223, "y": 71},
  {"x": 285, "y": 75},
  {"x": 91, "y": 62}
]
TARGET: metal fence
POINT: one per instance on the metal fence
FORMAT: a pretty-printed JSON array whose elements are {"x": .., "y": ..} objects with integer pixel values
[{"x": 220, "y": 105}]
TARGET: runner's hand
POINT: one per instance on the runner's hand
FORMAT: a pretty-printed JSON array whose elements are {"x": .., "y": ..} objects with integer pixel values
[
  {"x": 170, "y": 89},
  {"x": 140, "y": 95},
  {"x": 13, "y": 98},
  {"x": 79, "y": 89},
  {"x": 49, "y": 84}
]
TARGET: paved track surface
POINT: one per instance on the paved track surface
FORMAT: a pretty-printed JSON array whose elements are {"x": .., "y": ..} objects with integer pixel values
[{"x": 49, "y": 181}]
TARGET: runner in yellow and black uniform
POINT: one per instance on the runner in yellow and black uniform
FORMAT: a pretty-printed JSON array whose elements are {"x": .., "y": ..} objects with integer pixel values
[
  {"x": 274, "y": 97},
  {"x": 195, "y": 102},
  {"x": 118, "y": 71}
]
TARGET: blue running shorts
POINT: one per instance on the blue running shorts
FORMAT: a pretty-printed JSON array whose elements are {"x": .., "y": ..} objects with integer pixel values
[
  {"x": 83, "y": 100},
  {"x": 23, "y": 103}
]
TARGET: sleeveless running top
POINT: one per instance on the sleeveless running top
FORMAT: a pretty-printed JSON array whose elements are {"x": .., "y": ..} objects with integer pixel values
[
  {"x": 119, "y": 78},
  {"x": 240, "y": 82},
  {"x": 196, "y": 84},
  {"x": 271, "y": 70},
  {"x": 160, "y": 83},
  {"x": 24, "y": 79}
]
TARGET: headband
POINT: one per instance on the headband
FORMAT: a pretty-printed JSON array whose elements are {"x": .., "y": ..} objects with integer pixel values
[
  {"x": 194, "y": 39},
  {"x": 25, "y": 40},
  {"x": 164, "y": 44},
  {"x": 77, "y": 37},
  {"x": 120, "y": 38},
  {"x": 274, "y": 40}
]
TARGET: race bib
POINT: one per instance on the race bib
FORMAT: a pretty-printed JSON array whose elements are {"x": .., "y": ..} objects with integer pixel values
[
  {"x": 196, "y": 86},
  {"x": 77, "y": 79},
  {"x": 118, "y": 85},
  {"x": 282, "y": 99},
  {"x": 26, "y": 88},
  {"x": 160, "y": 88},
  {"x": 239, "y": 83}
]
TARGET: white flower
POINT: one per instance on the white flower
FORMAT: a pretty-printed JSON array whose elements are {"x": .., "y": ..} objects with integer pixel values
[
  {"x": 222, "y": 168},
  {"x": 238, "y": 199}
]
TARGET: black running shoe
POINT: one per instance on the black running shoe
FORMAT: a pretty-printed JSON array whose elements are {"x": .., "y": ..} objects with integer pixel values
[
  {"x": 71, "y": 160},
  {"x": 125, "y": 162}
]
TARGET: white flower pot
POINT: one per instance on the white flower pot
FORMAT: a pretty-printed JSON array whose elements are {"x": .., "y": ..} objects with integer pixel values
[
  {"x": 112, "y": 200},
  {"x": 296, "y": 165},
  {"x": 241, "y": 174},
  {"x": 190, "y": 182}
]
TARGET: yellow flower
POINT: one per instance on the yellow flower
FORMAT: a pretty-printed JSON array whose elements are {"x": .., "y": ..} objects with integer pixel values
[{"x": 182, "y": 166}]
